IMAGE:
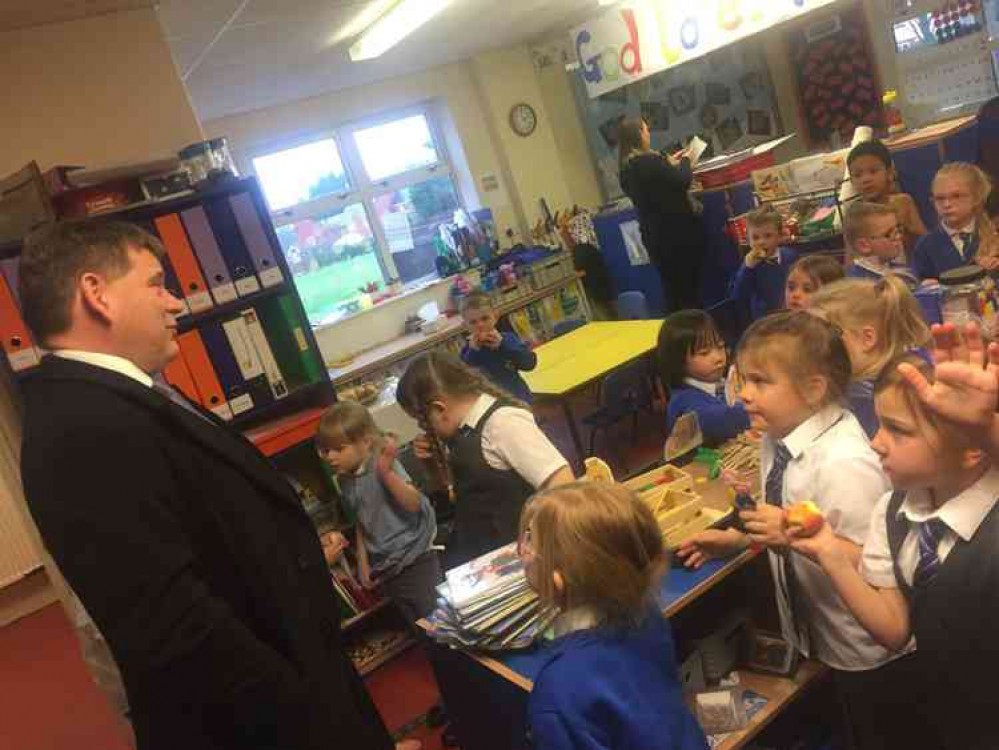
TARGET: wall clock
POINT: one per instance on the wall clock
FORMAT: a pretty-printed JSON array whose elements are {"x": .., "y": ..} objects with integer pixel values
[{"x": 523, "y": 119}]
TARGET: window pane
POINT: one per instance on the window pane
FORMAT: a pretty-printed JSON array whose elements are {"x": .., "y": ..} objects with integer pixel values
[
  {"x": 301, "y": 174},
  {"x": 410, "y": 218},
  {"x": 396, "y": 147},
  {"x": 331, "y": 258}
]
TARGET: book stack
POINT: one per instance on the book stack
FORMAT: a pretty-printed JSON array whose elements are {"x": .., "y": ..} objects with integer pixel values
[{"x": 487, "y": 604}]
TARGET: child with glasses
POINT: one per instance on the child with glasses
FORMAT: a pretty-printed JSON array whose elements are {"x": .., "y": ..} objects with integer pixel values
[{"x": 874, "y": 238}]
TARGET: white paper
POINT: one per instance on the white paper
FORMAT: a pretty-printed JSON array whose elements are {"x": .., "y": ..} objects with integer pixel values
[
  {"x": 694, "y": 150},
  {"x": 632, "y": 235}
]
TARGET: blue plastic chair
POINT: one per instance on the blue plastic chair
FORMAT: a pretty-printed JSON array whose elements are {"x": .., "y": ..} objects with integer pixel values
[
  {"x": 564, "y": 326},
  {"x": 623, "y": 394},
  {"x": 632, "y": 306}
]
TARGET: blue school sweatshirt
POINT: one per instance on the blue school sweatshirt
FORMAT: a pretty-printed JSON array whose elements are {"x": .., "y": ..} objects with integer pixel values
[
  {"x": 719, "y": 421},
  {"x": 612, "y": 689},
  {"x": 762, "y": 287},
  {"x": 936, "y": 253},
  {"x": 501, "y": 365},
  {"x": 860, "y": 270},
  {"x": 860, "y": 395}
]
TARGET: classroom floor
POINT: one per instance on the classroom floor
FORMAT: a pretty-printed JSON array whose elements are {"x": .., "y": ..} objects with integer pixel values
[{"x": 48, "y": 702}]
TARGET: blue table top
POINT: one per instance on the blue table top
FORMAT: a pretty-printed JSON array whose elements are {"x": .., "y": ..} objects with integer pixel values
[{"x": 676, "y": 584}]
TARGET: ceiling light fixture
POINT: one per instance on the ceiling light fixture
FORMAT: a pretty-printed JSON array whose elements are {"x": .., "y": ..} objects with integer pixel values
[{"x": 394, "y": 26}]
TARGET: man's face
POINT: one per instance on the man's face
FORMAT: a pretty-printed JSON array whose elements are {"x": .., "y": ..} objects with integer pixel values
[{"x": 142, "y": 313}]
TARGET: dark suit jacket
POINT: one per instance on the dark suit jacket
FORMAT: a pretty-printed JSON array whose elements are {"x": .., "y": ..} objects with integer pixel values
[{"x": 196, "y": 561}]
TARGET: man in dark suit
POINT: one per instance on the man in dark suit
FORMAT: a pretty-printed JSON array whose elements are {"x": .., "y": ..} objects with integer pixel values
[{"x": 189, "y": 550}]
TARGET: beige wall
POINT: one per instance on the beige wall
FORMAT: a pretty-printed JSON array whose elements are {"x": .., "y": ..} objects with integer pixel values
[{"x": 94, "y": 92}]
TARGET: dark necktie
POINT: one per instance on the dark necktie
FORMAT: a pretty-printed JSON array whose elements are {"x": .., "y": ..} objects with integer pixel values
[
  {"x": 931, "y": 532},
  {"x": 720, "y": 391},
  {"x": 787, "y": 579},
  {"x": 965, "y": 238},
  {"x": 171, "y": 393}
]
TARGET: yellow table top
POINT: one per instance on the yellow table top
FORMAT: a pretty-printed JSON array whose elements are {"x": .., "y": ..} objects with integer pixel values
[{"x": 589, "y": 352}]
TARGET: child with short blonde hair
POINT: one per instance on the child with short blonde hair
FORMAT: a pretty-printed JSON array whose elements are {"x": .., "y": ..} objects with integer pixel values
[
  {"x": 594, "y": 551},
  {"x": 965, "y": 234},
  {"x": 807, "y": 276},
  {"x": 501, "y": 357},
  {"x": 395, "y": 522},
  {"x": 881, "y": 321},
  {"x": 759, "y": 282},
  {"x": 874, "y": 238}
]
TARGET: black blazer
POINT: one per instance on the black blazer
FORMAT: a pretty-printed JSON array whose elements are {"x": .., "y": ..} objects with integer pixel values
[
  {"x": 198, "y": 564},
  {"x": 665, "y": 215}
]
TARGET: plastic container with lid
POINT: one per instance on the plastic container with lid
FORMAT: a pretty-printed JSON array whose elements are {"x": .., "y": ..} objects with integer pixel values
[
  {"x": 969, "y": 296},
  {"x": 206, "y": 161}
]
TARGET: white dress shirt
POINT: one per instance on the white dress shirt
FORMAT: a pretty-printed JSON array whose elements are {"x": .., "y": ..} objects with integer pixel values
[
  {"x": 962, "y": 516},
  {"x": 831, "y": 464},
  {"x": 512, "y": 440},
  {"x": 109, "y": 362}
]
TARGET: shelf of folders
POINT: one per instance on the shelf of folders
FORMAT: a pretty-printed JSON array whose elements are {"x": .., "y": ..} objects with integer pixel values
[{"x": 247, "y": 352}]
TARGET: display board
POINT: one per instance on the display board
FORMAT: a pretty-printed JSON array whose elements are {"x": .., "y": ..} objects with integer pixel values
[{"x": 726, "y": 98}]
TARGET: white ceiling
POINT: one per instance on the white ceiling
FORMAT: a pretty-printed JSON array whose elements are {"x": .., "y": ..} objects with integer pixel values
[{"x": 239, "y": 55}]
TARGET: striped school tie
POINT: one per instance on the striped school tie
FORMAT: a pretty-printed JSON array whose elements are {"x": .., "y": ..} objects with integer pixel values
[
  {"x": 931, "y": 532},
  {"x": 775, "y": 477}
]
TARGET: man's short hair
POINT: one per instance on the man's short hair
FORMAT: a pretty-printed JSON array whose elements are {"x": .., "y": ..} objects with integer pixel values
[
  {"x": 855, "y": 223},
  {"x": 477, "y": 299},
  {"x": 55, "y": 257}
]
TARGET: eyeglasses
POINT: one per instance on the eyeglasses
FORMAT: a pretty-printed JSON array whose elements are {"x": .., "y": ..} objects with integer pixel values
[
  {"x": 892, "y": 235},
  {"x": 959, "y": 197}
]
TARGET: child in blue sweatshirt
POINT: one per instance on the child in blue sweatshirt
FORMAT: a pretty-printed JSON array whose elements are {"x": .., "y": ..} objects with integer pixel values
[
  {"x": 500, "y": 356},
  {"x": 594, "y": 551},
  {"x": 692, "y": 360},
  {"x": 965, "y": 234},
  {"x": 759, "y": 282},
  {"x": 874, "y": 238}
]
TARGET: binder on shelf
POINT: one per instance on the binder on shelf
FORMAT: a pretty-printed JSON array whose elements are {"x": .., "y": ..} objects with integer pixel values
[
  {"x": 10, "y": 268},
  {"x": 230, "y": 240},
  {"x": 207, "y": 251},
  {"x": 192, "y": 348},
  {"x": 179, "y": 376},
  {"x": 17, "y": 342},
  {"x": 279, "y": 389},
  {"x": 286, "y": 333},
  {"x": 251, "y": 368},
  {"x": 256, "y": 239},
  {"x": 192, "y": 282},
  {"x": 242, "y": 395}
]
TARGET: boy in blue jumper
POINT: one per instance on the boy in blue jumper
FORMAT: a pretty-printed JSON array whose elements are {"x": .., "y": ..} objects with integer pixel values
[
  {"x": 692, "y": 360},
  {"x": 965, "y": 235},
  {"x": 500, "y": 356},
  {"x": 874, "y": 238},
  {"x": 759, "y": 282}
]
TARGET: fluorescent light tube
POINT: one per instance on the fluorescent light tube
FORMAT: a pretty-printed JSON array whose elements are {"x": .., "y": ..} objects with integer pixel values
[{"x": 394, "y": 26}]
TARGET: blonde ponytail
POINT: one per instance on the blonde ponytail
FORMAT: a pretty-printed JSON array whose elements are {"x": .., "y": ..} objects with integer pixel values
[
  {"x": 886, "y": 305},
  {"x": 981, "y": 187}
]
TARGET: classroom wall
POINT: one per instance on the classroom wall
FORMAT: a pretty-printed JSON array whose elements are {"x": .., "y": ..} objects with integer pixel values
[{"x": 92, "y": 92}]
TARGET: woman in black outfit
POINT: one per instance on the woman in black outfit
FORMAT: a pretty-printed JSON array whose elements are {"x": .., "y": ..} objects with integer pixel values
[{"x": 671, "y": 231}]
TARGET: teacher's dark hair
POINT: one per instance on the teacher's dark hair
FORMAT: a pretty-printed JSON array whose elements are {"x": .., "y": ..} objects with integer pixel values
[{"x": 629, "y": 139}]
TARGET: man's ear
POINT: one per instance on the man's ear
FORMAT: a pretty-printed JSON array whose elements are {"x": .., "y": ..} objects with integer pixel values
[{"x": 92, "y": 291}]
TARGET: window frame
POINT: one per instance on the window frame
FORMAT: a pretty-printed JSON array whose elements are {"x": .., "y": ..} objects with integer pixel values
[{"x": 363, "y": 189}]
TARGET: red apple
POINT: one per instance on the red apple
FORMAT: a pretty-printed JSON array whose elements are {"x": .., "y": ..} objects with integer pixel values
[{"x": 805, "y": 517}]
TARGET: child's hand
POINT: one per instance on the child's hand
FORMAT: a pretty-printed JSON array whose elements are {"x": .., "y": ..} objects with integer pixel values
[
  {"x": 421, "y": 447},
  {"x": 334, "y": 543},
  {"x": 767, "y": 525},
  {"x": 473, "y": 343},
  {"x": 754, "y": 257},
  {"x": 387, "y": 455},
  {"x": 966, "y": 387},
  {"x": 709, "y": 545},
  {"x": 988, "y": 262},
  {"x": 492, "y": 339},
  {"x": 740, "y": 482},
  {"x": 364, "y": 576},
  {"x": 821, "y": 545}
]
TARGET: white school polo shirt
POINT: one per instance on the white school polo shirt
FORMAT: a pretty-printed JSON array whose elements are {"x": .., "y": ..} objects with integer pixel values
[
  {"x": 833, "y": 465},
  {"x": 962, "y": 515},
  {"x": 512, "y": 439}
]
